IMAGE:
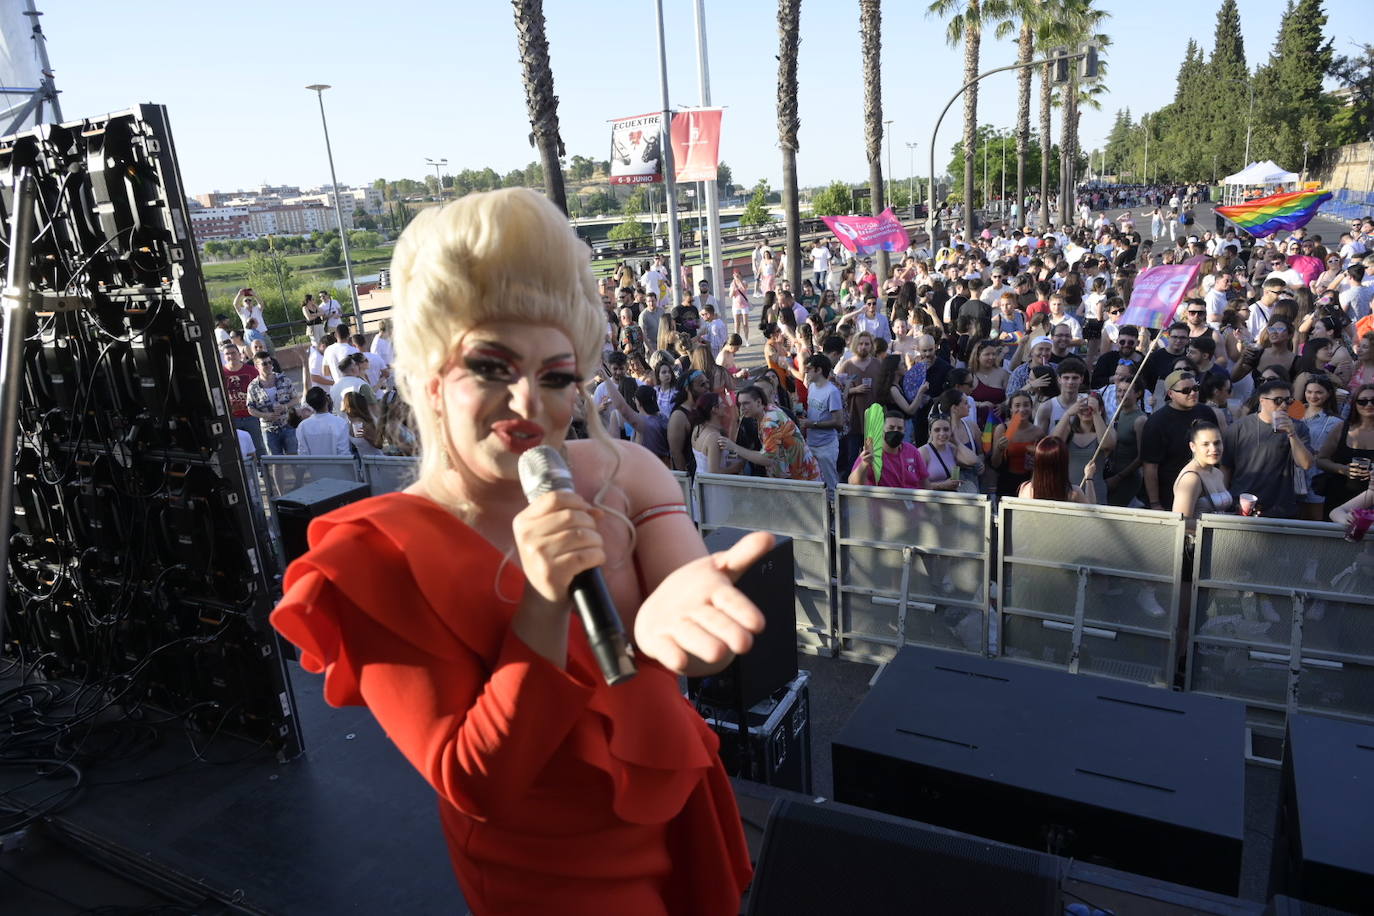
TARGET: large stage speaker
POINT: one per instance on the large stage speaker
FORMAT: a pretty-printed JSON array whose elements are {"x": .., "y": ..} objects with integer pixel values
[
  {"x": 772, "y": 663},
  {"x": 301, "y": 506},
  {"x": 1324, "y": 845},
  {"x": 827, "y": 859},
  {"x": 1118, "y": 774}
]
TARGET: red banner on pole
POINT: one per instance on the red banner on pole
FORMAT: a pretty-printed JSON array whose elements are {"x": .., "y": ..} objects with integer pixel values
[{"x": 696, "y": 144}]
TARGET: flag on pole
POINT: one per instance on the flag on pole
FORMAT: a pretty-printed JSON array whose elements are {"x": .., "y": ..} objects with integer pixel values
[
  {"x": 867, "y": 234},
  {"x": 1158, "y": 291},
  {"x": 1267, "y": 215},
  {"x": 696, "y": 144},
  {"x": 637, "y": 149}
]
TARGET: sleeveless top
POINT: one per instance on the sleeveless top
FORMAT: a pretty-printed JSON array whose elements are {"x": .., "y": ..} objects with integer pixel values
[
  {"x": 1079, "y": 456},
  {"x": 1341, "y": 489},
  {"x": 1208, "y": 500},
  {"x": 984, "y": 392}
]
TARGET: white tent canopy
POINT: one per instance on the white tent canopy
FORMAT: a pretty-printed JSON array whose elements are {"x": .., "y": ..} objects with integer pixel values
[
  {"x": 1256, "y": 174},
  {"x": 1266, "y": 172}
]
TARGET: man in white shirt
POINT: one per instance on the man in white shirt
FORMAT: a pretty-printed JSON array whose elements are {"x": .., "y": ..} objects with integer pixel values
[
  {"x": 376, "y": 369},
  {"x": 330, "y": 310},
  {"x": 712, "y": 330},
  {"x": 335, "y": 352},
  {"x": 323, "y": 434},
  {"x": 1217, "y": 299},
  {"x": 1351, "y": 248},
  {"x": 221, "y": 330},
  {"x": 872, "y": 321},
  {"x": 820, "y": 265},
  {"x": 996, "y": 288},
  {"x": 1355, "y": 292},
  {"x": 704, "y": 297},
  {"x": 654, "y": 278},
  {"x": 247, "y": 306},
  {"x": 1284, "y": 272}
]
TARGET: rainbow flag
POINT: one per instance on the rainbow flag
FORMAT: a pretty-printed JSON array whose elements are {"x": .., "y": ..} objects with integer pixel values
[{"x": 1267, "y": 215}]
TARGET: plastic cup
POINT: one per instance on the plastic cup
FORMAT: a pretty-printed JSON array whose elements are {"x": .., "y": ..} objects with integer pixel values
[
  {"x": 1358, "y": 525},
  {"x": 1247, "y": 503}
]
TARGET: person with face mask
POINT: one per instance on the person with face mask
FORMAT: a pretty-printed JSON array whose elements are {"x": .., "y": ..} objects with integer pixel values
[{"x": 892, "y": 463}]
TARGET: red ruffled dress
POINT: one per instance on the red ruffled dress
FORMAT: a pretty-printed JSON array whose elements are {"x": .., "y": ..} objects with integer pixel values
[{"x": 556, "y": 792}]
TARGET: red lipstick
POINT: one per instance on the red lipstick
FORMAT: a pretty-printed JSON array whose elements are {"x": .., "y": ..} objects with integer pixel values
[{"x": 518, "y": 435}]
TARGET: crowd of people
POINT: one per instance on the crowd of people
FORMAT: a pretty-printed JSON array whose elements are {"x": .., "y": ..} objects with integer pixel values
[
  {"x": 345, "y": 403},
  {"x": 1000, "y": 363}
]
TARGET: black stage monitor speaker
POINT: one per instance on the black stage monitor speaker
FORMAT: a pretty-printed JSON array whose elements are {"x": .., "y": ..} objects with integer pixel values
[
  {"x": 298, "y": 508},
  {"x": 1132, "y": 777},
  {"x": 1324, "y": 847},
  {"x": 828, "y": 859},
  {"x": 772, "y": 663}
]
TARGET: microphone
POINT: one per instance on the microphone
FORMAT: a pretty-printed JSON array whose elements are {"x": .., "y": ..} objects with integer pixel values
[{"x": 542, "y": 469}]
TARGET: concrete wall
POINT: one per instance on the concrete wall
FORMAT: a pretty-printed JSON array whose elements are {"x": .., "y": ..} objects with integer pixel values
[{"x": 1345, "y": 167}]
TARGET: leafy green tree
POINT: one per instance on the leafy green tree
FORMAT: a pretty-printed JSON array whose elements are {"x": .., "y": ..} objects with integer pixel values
[
  {"x": 363, "y": 220},
  {"x": 725, "y": 179},
  {"x": 756, "y": 211},
  {"x": 1355, "y": 73},
  {"x": 835, "y": 200},
  {"x": 631, "y": 230},
  {"x": 331, "y": 255},
  {"x": 216, "y": 249},
  {"x": 637, "y": 202},
  {"x": 1288, "y": 89}
]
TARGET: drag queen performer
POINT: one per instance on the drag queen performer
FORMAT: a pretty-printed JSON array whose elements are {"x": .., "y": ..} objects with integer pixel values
[{"x": 444, "y": 608}]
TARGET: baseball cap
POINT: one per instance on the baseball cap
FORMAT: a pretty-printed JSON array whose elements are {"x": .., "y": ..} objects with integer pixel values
[{"x": 1178, "y": 375}]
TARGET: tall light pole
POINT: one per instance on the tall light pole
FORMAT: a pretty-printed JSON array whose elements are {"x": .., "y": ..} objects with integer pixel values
[
  {"x": 712, "y": 194},
  {"x": 318, "y": 89},
  {"x": 1002, "y": 206},
  {"x": 669, "y": 176},
  {"x": 887, "y": 133},
  {"x": 1249, "y": 119},
  {"x": 439, "y": 186},
  {"x": 911, "y": 184},
  {"x": 986, "y": 195}
]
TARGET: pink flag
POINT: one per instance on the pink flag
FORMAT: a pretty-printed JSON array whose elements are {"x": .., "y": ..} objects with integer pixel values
[
  {"x": 867, "y": 234},
  {"x": 1157, "y": 293},
  {"x": 1308, "y": 267},
  {"x": 696, "y": 144}
]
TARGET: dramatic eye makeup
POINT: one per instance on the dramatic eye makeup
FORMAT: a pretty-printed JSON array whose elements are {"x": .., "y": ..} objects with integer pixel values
[{"x": 499, "y": 365}]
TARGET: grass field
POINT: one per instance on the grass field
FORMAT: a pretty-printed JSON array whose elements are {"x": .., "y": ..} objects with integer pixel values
[{"x": 232, "y": 271}]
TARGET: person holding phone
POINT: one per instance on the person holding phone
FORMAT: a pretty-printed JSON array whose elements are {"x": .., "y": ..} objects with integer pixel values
[{"x": 247, "y": 306}]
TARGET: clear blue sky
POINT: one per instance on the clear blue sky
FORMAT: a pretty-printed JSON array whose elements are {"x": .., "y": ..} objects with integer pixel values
[{"x": 423, "y": 78}]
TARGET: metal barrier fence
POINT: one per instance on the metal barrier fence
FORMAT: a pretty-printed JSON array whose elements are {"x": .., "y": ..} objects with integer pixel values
[
  {"x": 800, "y": 509},
  {"x": 1282, "y": 612},
  {"x": 1090, "y": 589},
  {"x": 913, "y": 567},
  {"x": 1283, "y": 616}
]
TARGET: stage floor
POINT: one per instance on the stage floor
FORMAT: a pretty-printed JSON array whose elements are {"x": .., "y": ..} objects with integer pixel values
[{"x": 348, "y": 827}]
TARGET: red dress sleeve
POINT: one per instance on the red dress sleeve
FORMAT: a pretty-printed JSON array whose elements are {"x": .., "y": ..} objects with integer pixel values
[{"x": 355, "y": 608}]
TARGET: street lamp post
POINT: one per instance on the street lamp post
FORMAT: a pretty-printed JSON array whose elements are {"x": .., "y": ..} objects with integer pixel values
[
  {"x": 887, "y": 133},
  {"x": 318, "y": 89},
  {"x": 439, "y": 181},
  {"x": 986, "y": 195},
  {"x": 1002, "y": 205},
  {"x": 911, "y": 182}
]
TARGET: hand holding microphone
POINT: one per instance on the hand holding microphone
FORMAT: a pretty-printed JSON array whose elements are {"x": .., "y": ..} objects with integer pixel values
[{"x": 562, "y": 553}]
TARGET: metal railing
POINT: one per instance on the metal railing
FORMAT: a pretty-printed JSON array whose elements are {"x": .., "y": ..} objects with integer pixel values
[
  {"x": 1282, "y": 612},
  {"x": 913, "y": 568},
  {"x": 800, "y": 509},
  {"x": 1090, "y": 589},
  {"x": 1283, "y": 616}
]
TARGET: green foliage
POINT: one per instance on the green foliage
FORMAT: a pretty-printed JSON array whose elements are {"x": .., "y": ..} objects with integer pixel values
[
  {"x": 1000, "y": 152},
  {"x": 1355, "y": 74},
  {"x": 631, "y": 230},
  {"x": 1288, "y": 88},
  {"x": 331, "y": 255},
  {"x": 725, "y": 179},
  {"x": 637, "y": 202},
  {"x": 756, "y": 211},
  {"x": 598, "y": 202},
  {"x": 836, "y": 200}
]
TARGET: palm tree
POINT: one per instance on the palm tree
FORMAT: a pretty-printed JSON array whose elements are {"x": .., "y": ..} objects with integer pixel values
[
  {"x": 966, "y": 25},
  {"x": 1021, "y": 16},
  {"x": 789, "y": 32},
  {"x": 1076, "y": 23},
  {"x": 870, "y": 24},
  {"x": 539, "y": 95}
]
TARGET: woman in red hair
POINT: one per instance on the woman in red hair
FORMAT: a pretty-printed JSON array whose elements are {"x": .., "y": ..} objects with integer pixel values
[{"x": 1050, "y": 477}]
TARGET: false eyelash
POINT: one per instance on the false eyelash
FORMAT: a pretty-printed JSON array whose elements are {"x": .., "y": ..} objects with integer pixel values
[
  {"x": 489, "y": 370},
  {"x": 558, "y": 380}
]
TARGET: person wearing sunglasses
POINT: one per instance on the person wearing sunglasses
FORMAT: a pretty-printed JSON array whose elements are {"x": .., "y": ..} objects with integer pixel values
[
  {"x": 1348, "y": 451},
  {"x": 1263, "y": 448},
  {"x": 1164, "y": 438}
]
